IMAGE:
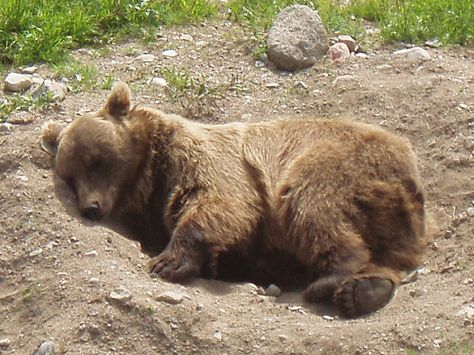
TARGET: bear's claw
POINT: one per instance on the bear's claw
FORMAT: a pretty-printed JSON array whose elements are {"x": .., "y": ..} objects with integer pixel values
[{"x": 174, "y": 268}]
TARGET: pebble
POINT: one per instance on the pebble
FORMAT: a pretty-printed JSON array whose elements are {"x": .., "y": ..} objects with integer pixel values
[
  {"x": 413, "y": 53},
  {"x": 218, "y": 335},
  {"x": 17, "y": 82},
  {"x": 186, "y": 37},
  {"x": 6, "y": 127},
  {"x": 145, "y": 58},
  {"x": 45, "y": 348},
  {"x": 121, "y": 295},
  {"x": 170, "y": 297},
  {"x": 92, "y": 253},
  {"x": 94, "y": 281},
  {"x": 4, "y": 343},
  {"x": 466, "y": 311},
  {"x": 272, "y": 85},
  {"x": 29, "y": 70},
  {"x": 470, "y": 211},
  {"x": 338, "y": 52},
  {"x": 35, "y": 252},
  {"x": 329, "y": 318},
  {"x": 273, "y": 291},
  {"x": 169, "y": 53},
  {"x": 158, "y": 82}
]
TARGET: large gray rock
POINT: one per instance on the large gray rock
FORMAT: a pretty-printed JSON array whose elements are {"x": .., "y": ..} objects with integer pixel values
[
  {"x": 297, "y": 38},
  {"x": 56, "y": 90}
]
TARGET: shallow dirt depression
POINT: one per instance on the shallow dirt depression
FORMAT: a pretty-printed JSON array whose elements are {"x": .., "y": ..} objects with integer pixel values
[{"x": 58, "y": 272}]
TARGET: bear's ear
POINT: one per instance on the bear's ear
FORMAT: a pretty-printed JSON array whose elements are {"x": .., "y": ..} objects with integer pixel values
[
  {"x": 119, "y": 101},
  {"x": 51, "y": 135}
]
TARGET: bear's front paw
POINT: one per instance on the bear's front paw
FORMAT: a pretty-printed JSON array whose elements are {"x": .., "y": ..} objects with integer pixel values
[{"x": 174, "y": 268}]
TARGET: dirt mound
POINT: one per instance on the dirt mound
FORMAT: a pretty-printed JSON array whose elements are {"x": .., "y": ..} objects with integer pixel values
[{"x": 58, "y": 272}]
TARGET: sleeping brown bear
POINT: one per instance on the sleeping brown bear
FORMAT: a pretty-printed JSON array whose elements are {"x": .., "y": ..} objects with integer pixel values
[{"x": 333, "y": 203}]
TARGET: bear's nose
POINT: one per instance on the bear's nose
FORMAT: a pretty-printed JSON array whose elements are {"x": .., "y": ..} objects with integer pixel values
[{"x": 91, "y": 210}]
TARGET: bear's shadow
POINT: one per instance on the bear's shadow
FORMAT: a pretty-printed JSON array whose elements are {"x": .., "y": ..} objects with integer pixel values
[{"x": 221, "y": 286}]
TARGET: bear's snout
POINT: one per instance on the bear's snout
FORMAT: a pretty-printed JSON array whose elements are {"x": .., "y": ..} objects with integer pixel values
[{"x": 92, "y": 210}]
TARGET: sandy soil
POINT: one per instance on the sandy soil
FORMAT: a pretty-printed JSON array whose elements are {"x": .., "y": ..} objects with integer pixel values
[{"x": 57, "y": 271}]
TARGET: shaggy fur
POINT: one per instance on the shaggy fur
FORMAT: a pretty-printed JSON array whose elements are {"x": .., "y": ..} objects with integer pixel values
[{"x": 333, "y": 203}]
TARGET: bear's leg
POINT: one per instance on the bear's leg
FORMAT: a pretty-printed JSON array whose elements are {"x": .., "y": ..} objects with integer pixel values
[
  {"x": 203, "y": 233},
  {"x": 357, "y": 294}
]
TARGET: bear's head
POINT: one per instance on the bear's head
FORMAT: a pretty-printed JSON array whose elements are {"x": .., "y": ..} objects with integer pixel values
[{"x": 97, "y": 155}]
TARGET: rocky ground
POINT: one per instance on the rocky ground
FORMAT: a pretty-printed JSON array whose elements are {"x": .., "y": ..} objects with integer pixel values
[{"x": 85, "y": 288}]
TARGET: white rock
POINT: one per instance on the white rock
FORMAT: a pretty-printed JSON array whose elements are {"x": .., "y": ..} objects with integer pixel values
[
  {"x": 170, "y": 297},
  {"x": 35, "y": 252},
  {"x": 94, "y": 281},
  {"x": 272, "y": 85},
  {"x": 57, "y": 90},
  {"x": 4, "y": 343},
  {"x": 415, "y": 53},
  {"x": 273, "y": 291},
  {"x": 45, "y": 348},
  {"x": 158, "y": 82},
  {"x": 466, "y": 311},
  {"x": 329, "y": 318},
  {"x": 170, "y": 53},
  {"x": 218, "y": 335},
  {"x": 29, "y": 70},
  {"x": 145, "y": 58},
  {"x": 17, "y": 82},
  {"x": 92, "y": 253},
  {"x": 186, "y": 37},
  {"x": 338, "y": 52},
  {"x": 6, "y": 127},
  {"x": 121, "y": 295},
  {"x": 470, "y": 211}
]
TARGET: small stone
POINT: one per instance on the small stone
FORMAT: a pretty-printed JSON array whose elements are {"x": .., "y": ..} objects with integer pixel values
[
  {"x": 329, "y": 318},
  {"x": 56, "y": 90},
  {"x": 259, "y": 64},
  {"x": 45, "y": 348},
  {"x": 362, "y": 55},
  {"x": 6, "y": 127},
  {"x": 121, "y": 295},
  {"x": 246, "y": 117},
  {"x": 218, "y": 335},
  {"x": 415, "y": 53},
  {"x": 348, "y": 41},
  {"x": 466, "y": 311},
  {"x": 35, "y": 252},
  {"x": 17, "y": 82},
  {"x": 145, "y": 58},
  {"x": 463, "y": 106},
  {"x": 21, "y": 118},
  {"x": 338, "y": 52},
  {"x": 94, "y": 281},
  {"x": 92, "y": 254},
  {"x": 158, "y": 82},
  {"x": 29, "y": 70},
  {"x": 5, "y": 343},
  {"x": 411, "y": 277},
  {"x": 186, "y": 37},
  {"x": 169, "y": 53},
  {"x": 170, "y": 297},
  {"x": 272, "y": 85},
  {"x": 94, "y": 331},
  {"x": 433, "y": 43},
  {"x": 470, "y": 211},
  {"x": 273, "y": 291}
]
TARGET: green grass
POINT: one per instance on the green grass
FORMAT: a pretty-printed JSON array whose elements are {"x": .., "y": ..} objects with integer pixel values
[
  {"x": 17, "y": 102},
  {"x": 34, "y": 31},
  {"x": 415, "y": 21}
]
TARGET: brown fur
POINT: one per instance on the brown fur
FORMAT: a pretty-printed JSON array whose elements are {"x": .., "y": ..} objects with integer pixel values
[{"x": 332, "y": 202}]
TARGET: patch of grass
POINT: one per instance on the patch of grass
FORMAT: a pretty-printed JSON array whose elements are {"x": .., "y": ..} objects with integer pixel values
[
  {"x": 449, "y": 21},
  {"x": 44, "y": 30},
  {"x": 457, "y": 348},
  {"x": 80, "y": 76},
  {"x": 17, "y": 102},
  {"x": 196, "y": 95}
]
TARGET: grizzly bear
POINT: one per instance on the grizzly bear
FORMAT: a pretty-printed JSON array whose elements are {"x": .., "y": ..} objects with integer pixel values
[{"x": 333, "y": 203}]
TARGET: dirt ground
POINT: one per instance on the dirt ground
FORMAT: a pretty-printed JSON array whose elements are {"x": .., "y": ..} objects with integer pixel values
[{"x": 57, "y": 271}]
